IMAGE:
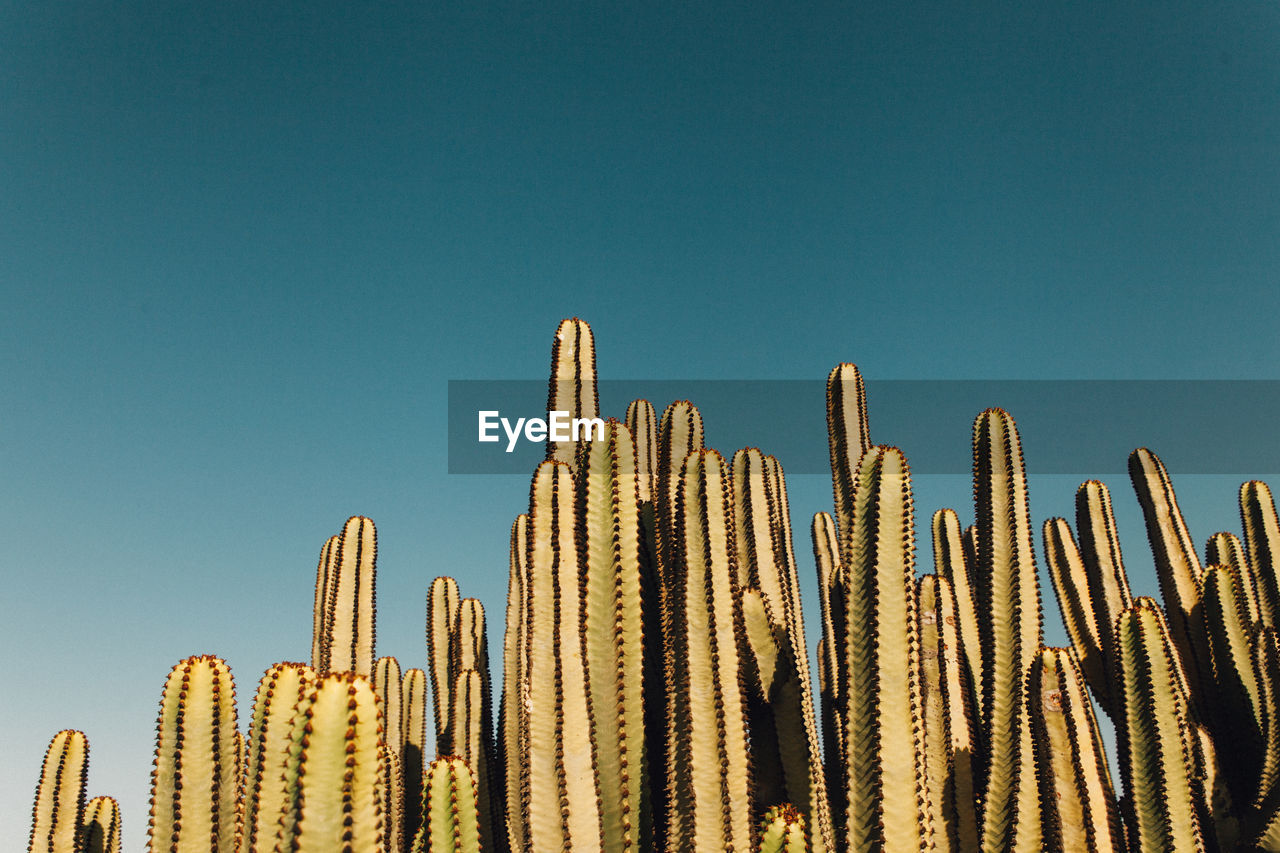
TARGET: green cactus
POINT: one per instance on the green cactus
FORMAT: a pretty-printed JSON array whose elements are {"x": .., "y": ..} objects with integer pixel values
[
  {"x": 443, "y": 604},
  {"x": 1076, "y": 794},
  {"x": 449, "y": 803},
  {"x": 613, "y": 633},
  {"x": 782, "y": 831},
  {"x": 336, "y": 770},
  {"x": 393, "y": 801},
  {"x": 388, "y": 681},
  {"x": 59, "y": 810},
  {"x": 285, "y": 689},
  {"x": 573, "y": 382},
  {"x": 101, "y": 830},
  {"x": 949, "y": 716},
  {"x": 1160, "y": 761},
  {"x": 831, "y": 653},
  {"x": 469, "y": 733},
  {"x": 1262, "y": 543},
  {"x": 413, "y": 719},
  {"x": 848, "y": 438},
  {"x": 888, "y": 807},
  {"x": 195, "y": 778},
  {"x": 513, "y": 716},
  {"x": 709, "y": 774},
  {"x": 349, "y": 620},
  {"x": 1008, "y": 596},
  {"x": 951, "y": 564},
  {"x": 322, "y": 613}
]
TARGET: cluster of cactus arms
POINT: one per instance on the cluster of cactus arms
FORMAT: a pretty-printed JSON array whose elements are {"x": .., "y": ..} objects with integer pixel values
[{"x": 656, "y": 692}]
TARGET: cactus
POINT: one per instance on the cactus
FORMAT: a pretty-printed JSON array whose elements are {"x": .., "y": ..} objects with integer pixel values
[
  {"x": 1160, "y": 762},
  {"x": 782, "y": 831},
  {"x": 413, "y": 718},
  {"x": 348, "y": 623},
  {"x": 1079, "y": 803},
  {"x": 709, "y": 775},
  {"x": 285, "y": 689},
  {"x": 336, "y": 771},
  {"x": 513, "y": 716},
  {"x": 393, "y": 801},
  {"x": 101, "y": 830},
  {"x": 469, "y": 733},
  {"x": 196, "y": 774},
  {"x": 442, "y": 624},
  {"x": 951, "y": 564},
  {"x": 1262, "y": 543},
  {"x": 449, "y": 804},
  {"x": 322, "y": 613},
  {"x": 1009, "y": 598},
  {"x": 888, "y": 805},
  {"x": 573, "y": 382},
  {"x": 949, "y": 716},
  {"x": 59, "y": 809},
  {"x": 388, "y": 682}
]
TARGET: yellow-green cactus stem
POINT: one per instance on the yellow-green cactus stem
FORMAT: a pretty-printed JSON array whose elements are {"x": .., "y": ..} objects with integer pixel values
[
  {"x": 413, "y": 717},
  {"x": 443, "y": 604},
  {"x": 1236, "y": 715},
  {"x": 1177, "y": 565},
  {"x": 1262, "y": 543},
  {"x": 340, "y": 775},
  {"x": 1083, "y": 613},
  {"x": 1009, "y": 600},
  {"x": 195, "y": 778},
  {"x": 285, "y": 688},
  {"x": 471, "y": 653},
  {"x": 950, "y": 563},
  {"x": 1079, "y": 802},
  {"x": 642, "y": 421},
  {"x": 513, "y": 718},
  {"x": 470, "y": 737},
  {"x": 782, "y": 831},
  {"x": 59, "y": 810},
  {"x": 1226, "y": 549},
  {"x": 766, "y": 566},
  {"x": 831, "y": 658},
  {"x": 949, "y": 716},
  {"x": 613, "y": 633},
  {"x": 449, "y": 804},
  {"x": 322, "y": 614},
  {"x": 1265, "y": 820},
  {"x": 573, "y": 382},
  {"x": 388, "y": 681},
  {"x": 1165, "y": 798},
  {"x": 393, "y": 801},
  {"x": 1217, "y": 812},
  {"x": 848, "y": 437},
  {"x": 709, "y": 755},
  {"x": 102, "y": 826},
  {"x": 888, "y": 807},
  {"x": 563, "y": 800},
  {"x": 353, "y": 598}
]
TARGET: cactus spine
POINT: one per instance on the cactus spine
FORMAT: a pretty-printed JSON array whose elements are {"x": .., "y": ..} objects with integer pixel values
[
  {"x": 102, "y": 826},
  {"x": 59, "y": 809}
]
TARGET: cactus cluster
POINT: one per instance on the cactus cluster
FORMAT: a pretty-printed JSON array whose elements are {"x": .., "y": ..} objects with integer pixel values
[{"x": 656, "y": 690}]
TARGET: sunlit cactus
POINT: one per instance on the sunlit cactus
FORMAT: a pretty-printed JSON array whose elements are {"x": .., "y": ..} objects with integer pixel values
[
  {"x": 782, "y": 831},
  {"x": 1160, "y": 762},
  {"x": 573, "y": 383},
  {"x": 952, "y": 565},
  {"x": 337, "y": 772},
  {"x": 1079, "y": 803},
  {"x": 348, "y": 623},
  {"x": 450, "y": 809},
  {"x": 388, "y": 682},
  {"x": 413, "y": 758},
  {"x": 1262, "y": 544},
  {"x": 393, "y": 801},
  {"x": 101, "y": 830},
  {"x": 469, "y": 734},
  {"x": 59, "y": 810},
  {"x": 1008, "y": 596},
  {"x": 443, "y": 603},
  {"x": 950, "y": 720},
  {"x": 513, "y": 716},
  {"x": 709, "y": 773},
  {"x": 888, "y": 807},
  {"x": 322, "y": 613},
  {"x": 285, "y": 690}
]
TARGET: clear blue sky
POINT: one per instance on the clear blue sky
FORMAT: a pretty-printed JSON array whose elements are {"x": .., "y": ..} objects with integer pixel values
[{"x": 244, "y": 246}]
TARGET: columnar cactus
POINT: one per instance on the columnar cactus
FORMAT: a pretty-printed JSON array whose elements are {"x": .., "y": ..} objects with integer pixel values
[
  {"x": 59, "y": 810},
  {"x": 449, "y": 805},
  {"x": 352, "y": 597},
  {"x": 469, "y": 734},
  {"x": 782, "y": 831},
  {"x": 413, "y": 718},
  {"x": 388, "y": 682},
  {"x": 573, "y": 382},
  {"x": 285, "y": 690},
  {"x": 513, "y": 716},
  {"x": 1262, "y": 543},
  {"x": 195, "y": 778},
  {"x": 888, "y": 806},
  {"x": 322, "y": 613},
  {"x": 952, "y": 565},
  {"x": 336, "y": 771},
  {"x": 1009, "y": 598},
  {"x": 443, "y": 603},
  {"x": 102, "y": 826}
]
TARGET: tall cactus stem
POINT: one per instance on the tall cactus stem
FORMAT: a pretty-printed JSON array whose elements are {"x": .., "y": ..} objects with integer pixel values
[{"x": 59, "y": 807}]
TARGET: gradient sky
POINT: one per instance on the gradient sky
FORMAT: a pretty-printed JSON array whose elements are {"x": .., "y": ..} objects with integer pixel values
[{"x": 244, "y": 246}]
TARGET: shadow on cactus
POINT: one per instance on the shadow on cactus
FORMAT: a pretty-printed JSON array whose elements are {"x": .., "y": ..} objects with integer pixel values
[{"x": 657, "y": 693}]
